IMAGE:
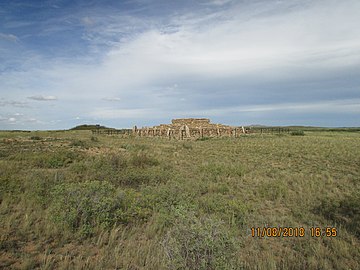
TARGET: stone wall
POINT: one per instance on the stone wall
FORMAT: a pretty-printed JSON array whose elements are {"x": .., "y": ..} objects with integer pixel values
[
  {"x": 189, "y": 128},
  {"x": 191, "y": 121}
]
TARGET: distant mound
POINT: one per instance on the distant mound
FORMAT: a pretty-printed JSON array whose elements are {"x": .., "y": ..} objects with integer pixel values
[{"x": 89, "y": 127}]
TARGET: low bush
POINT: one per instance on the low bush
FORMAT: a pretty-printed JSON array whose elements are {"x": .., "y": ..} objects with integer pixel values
[
  {"x": 94, "y": 139},
  {"x": 117, "y": 162},
  {"x": 39, "y": 185},
  {"x": 187, "y": 146},
  {"x": 223, "y": 169},
  {"x": 55, "y": 159},
  {"x": 199, "y": 243},
  {"x": 170, "y": 195},
  {"x": 141, "y": 160},
  {"x": 83, "y": 206},
  {"x": 297, "y": 133},
  {"x": 203, "y": 139},
  {"x": 79, "y": 143},
  {"x": 130, "y": 147},
  {"x": 10, "y": 183},
  {"x": 233, "y": 211}
]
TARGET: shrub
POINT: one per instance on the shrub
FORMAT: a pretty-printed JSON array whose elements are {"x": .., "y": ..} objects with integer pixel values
[
  {"x": 117, "y": 162},
  {"x": 187, "y": 146},
  {"x": 83, "y": 206},
  {"x": 78, "y": 143},
  {"x": 172, "y": 195},
  {"x": 9, "y": 179},
  {"x": 39, "y": 185},
  {"x": 134, "y": 207},
  {"x": 297, "y": 133},
  {"x": 233, "y": 211},
  {"x": 55, "y": 160},
  {"x": 199, "y": 243},
  {"x": 141, "y": 159},
  {"x": 35, "y": 138},
  {"x": 94, "y": 139},
  {"x": 203, "y": 139},
  {"x": 223, "y": 169},
  {"x": 140, "y": 147}
]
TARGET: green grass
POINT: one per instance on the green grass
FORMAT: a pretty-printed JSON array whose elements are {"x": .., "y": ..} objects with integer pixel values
[{"x": 69, "y": 200}]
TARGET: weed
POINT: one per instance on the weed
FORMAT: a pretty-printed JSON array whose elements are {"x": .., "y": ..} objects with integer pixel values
[
  {"x": 39, "y": 186},
  {"x": 94, "y": 139},
  {"x": 117, "y": 162},
  {"x": 223, "y": 169},
  {"x": 203, "y": 139},
  {"x": 199, "y": 243},
  {"x": 83, "y": 206},
  {"x": 297, "y": 133},
  {"x": 79, "y": 143},
  {"x": 141, "y": 160},
  {"x": 187, "y": 146},
  {"x": 134, "y": 147},
  {"x": 57, "y": 159},
  {"x": 273, "y": 189}
]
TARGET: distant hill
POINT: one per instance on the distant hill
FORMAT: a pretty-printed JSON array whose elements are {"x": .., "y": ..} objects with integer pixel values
[
  {"x": 89, "y": 127},
  {"x": 257, "y": 126},
  {"x": 309, "y": 128}
]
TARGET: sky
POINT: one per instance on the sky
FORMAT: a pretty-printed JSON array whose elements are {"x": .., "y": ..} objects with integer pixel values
[{"x": 144, "y": 62}]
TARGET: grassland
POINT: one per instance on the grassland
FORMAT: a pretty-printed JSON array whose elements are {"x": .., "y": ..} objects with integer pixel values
[{"x": 69, "y": 200}]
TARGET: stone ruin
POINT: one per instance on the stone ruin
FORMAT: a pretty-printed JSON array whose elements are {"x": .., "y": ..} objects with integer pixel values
[{"x": 187, "y": 128}]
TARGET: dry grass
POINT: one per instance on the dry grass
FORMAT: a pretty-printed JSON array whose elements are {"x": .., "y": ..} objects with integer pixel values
[{"x": 169, "y": 192}]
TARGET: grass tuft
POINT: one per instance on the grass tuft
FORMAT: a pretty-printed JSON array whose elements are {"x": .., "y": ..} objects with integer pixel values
[
  {"x": 297, "y": 133},
  {"x": 199, "y": 243}
]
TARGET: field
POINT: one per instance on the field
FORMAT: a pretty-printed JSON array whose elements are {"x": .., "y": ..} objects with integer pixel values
[{"x": 71, "y": 200}]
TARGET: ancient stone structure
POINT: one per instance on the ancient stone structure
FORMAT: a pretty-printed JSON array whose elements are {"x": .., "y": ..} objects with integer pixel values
[{"x": 185, "y": 128}]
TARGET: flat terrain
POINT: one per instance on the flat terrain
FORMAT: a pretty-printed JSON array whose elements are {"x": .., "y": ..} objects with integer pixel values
[{"x": 70, "y": 200}]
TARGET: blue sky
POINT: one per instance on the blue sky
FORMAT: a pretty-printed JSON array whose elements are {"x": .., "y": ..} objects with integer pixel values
[{"x": 144, "y": 62}]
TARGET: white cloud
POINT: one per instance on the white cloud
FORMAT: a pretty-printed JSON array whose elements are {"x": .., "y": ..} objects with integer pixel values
[
  {"x": 13, "y": 103},
  {"x": 172, "y": 87},
  {"x": 43, "y": 98},
  {"x": 9, "y": 37},
  {"x": 20, "y": 119},
  {"x": 112, "y": 99},
  {"x": 271, "y": 45},
  {"x": 154, "y": 69},
  {"x": 219, "y": 2},
  {"x": 32, "y": 120},
  {"x": 87, "y": 21},
  {"x": 337, "y": 106}
]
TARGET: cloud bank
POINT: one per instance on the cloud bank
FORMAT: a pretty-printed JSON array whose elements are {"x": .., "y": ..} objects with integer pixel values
[
  {"x": 43, "y": 98},
  {"x": 268, "y": 62}
]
